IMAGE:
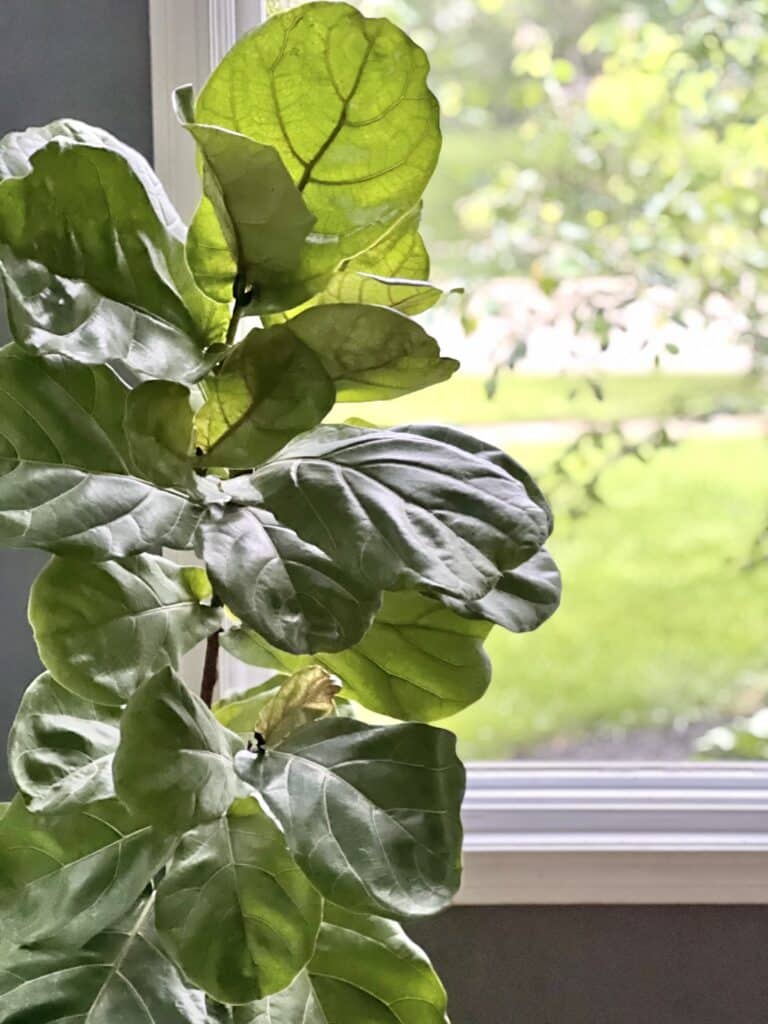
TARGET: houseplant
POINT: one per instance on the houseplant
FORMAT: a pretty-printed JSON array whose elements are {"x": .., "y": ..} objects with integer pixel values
[{"x": 170, "y": 858}]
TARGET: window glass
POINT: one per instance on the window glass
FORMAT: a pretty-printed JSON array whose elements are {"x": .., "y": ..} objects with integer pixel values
[{"x": 601, "y": 198}]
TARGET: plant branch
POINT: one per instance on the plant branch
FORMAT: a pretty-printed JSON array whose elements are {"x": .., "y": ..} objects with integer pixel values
[{"x": 210, "y": 669}]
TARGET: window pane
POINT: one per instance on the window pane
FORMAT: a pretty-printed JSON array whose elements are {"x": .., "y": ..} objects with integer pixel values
[{"x": 601, "y": 197}]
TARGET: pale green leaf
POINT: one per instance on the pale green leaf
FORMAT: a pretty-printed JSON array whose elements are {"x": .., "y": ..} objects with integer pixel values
[
  {"x": 93, "y": 256},
  {"x": 288, "y": 590},
  {"x": 159, "y": 432},
  {"x": 241, "y": 711},
  {"x": 344, "y": 101},
  {"x": 103, "y": 628},
  {"x": 370, "y": 353},
  {"x": 234, "y": 910},
  {"x": 302, "y": 698},
  {"x": 269, "y": 389},
  {"x": 261, "y": 219},
  {"x": 339, "y": 787},
  {"x": 65, "y": 877},
  {"x": 122, "y": 976},
  {"x": 67, "y": 482},
  {"x": 174, "y": 762},
  {"x": 61, "y": 747}
]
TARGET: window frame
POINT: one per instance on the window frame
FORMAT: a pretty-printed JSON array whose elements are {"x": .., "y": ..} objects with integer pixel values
[{"x": 536, "y": 832}]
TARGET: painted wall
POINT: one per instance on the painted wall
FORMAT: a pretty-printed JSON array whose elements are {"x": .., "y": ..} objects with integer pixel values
[{"x": 77, "y": 58}]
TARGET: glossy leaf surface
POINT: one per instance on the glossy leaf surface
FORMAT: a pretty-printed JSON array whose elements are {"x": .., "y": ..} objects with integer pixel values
[
  {"x": 93, "y": 255},
  {"x": 61, "y": 747},
  {"x": 120, "y": 975},
  {"x": 401, "y": 510},
  {"x": 174, "y": 762},
  {"x": 66, "y": 478},
  {"x": 65, "y": 877},
  {"x": 338, "y": 787},
  {"x": 237, "y": 914},
  {"x": 158, "y": 426},
  {"x": 288, "y": 590},
  {"x": 103, "y": 628}
]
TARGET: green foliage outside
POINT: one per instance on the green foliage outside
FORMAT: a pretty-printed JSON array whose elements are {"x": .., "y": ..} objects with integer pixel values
[{"x": 170, "y": 858}]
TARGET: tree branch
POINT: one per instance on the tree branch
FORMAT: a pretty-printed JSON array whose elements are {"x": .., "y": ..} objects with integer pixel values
[{"x": 210, "y": 668}]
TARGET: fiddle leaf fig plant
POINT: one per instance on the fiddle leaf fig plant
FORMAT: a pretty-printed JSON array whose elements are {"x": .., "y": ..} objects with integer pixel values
[{"x": 171, "y": 857}]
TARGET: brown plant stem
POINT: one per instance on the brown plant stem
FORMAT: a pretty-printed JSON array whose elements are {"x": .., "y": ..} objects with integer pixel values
[{"x": 210, "y": 669}]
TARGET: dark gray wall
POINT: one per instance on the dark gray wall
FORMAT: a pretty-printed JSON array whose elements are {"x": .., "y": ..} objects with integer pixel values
[
  {"x": 505, "y": 965},
  {"x": 77, "y": 58},
  {"x": 602, "y": 965}
]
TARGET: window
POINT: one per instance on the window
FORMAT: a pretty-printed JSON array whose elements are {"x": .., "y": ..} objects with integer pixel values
[{"x": 611, "y": 247}]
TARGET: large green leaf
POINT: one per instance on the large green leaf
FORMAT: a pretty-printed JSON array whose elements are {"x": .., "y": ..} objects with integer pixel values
[
  {"x": 93, "y": 256},
  {"x": 61, "y": 747},
  {"x": 365, "y": 969},
  {"x": 371, "y": 813},
  {"x": 103, "y": 628},
  {"x": 174, "y": 762},
  {"x": 236, "y": 913},
  {"x": 370, "y": 353},
  {"x": 122, "y": 976},
  {"x": 67, "y": 482},
  {"x": 65, "y": 877},
  {"x": 419, "y": 660},
  {"x": 262, "y": 220},
  {"x": 286, "y": 589},
  {"x": 269, "y": 389},
  {"x": 344, "y": 101},
  {"x": 399, "y": 509}
]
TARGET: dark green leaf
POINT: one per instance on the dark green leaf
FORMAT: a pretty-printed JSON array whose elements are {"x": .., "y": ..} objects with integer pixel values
[
  {"x": 174, "y": 762},
  {"x": 523, "y": 598},
  {"x": 61, "y": 747},
  {"x": 369, "y": 352},
  {"x": 261, "y": 220},
  {"x": 400, "y": 510},
  {"x": 344, "y": 101},
  {"x": 339, "y": 787},
  {"x": 65, "y": 877},
  {"x": 365, "y": 969},
  {"x": 93, "y": 256},
  {"x": 236, "y": 913},
  {"x": 121, "y": 976},
  {"x": 103, "y": 628},
  {"x": 271, "y": 388},
  {"x": 283, "y": 587},
  {"x": 66, "y": 477}
]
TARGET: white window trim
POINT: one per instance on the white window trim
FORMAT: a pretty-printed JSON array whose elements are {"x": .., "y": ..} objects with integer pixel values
[{"x": 549, "y": 833}]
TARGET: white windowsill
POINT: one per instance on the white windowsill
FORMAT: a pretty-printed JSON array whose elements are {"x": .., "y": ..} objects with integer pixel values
[{"x": 615, "y": 833}]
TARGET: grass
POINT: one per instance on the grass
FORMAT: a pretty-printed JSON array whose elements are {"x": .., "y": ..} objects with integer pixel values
[
  {"x": 463, "y": 399},
  {"x": 658, "y": 623}
]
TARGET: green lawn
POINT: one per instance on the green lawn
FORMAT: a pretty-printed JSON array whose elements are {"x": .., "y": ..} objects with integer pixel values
[
  {"x": 657, "y": 620},
  {"x": 463, "y": 399}
]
